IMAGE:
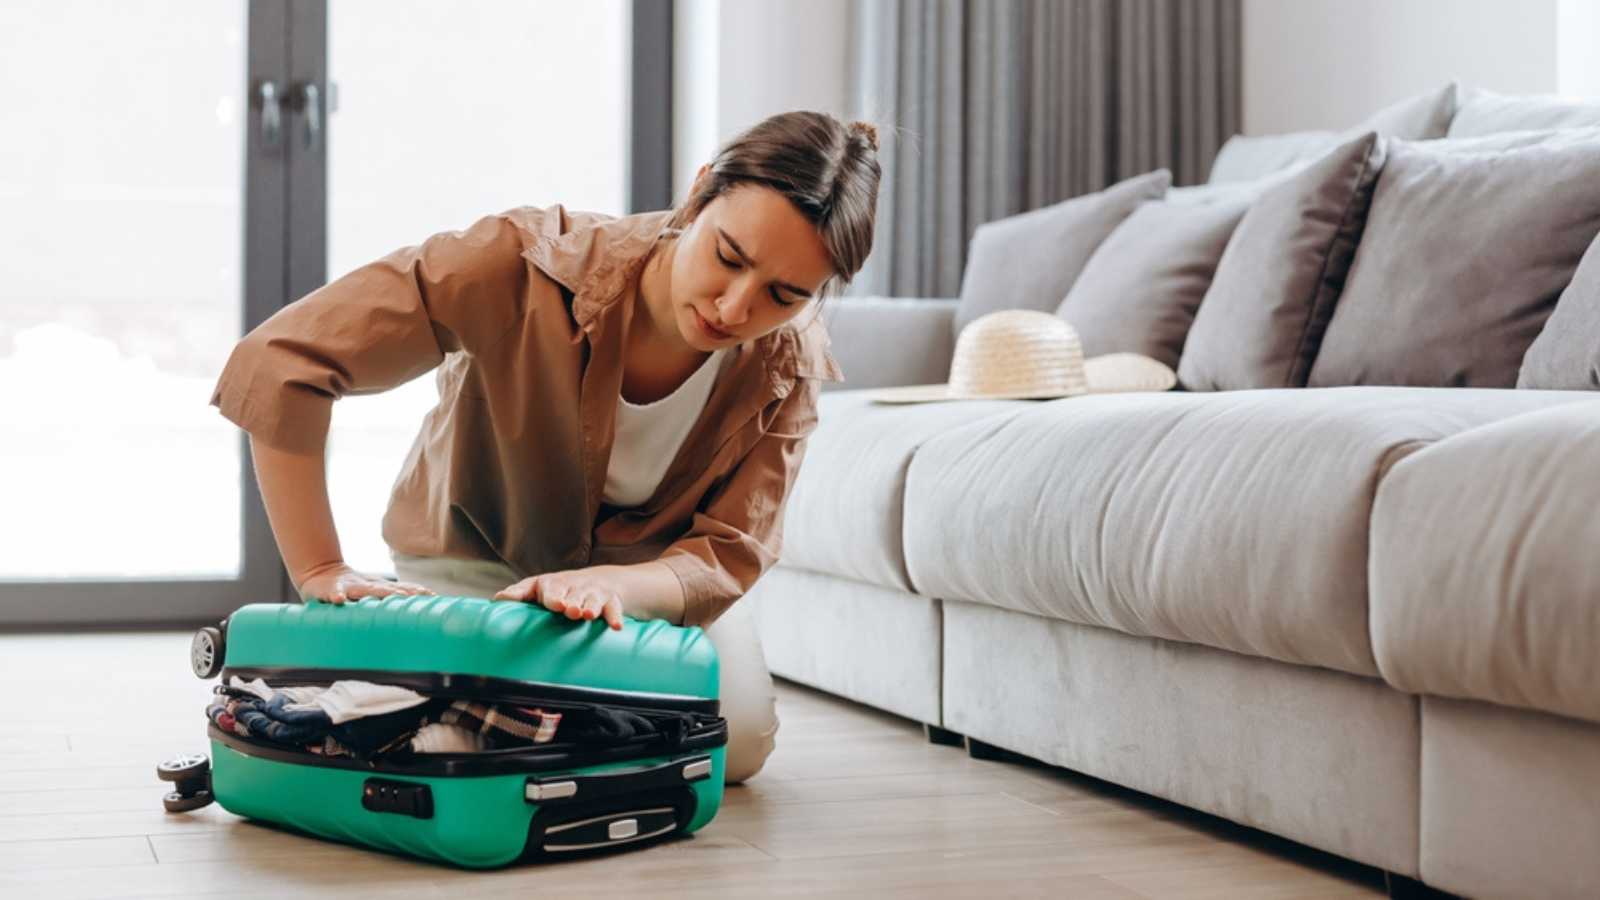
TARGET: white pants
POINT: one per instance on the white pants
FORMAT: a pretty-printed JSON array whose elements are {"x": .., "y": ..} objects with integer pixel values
[{"x": 749, "y": 702}]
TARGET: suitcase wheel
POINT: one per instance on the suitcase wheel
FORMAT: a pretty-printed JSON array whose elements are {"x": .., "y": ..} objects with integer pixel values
[
  {"x": 190, "y": 786},
  {"x": 176, "y": 802},
  {"x": 205, "y": 652},
  {"x": 188, "y": 768}
]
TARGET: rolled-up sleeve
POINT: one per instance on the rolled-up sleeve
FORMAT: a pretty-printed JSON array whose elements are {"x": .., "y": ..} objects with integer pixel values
[
  {"x": 373, "y": 329},
  {"x": 737, "y": 532}
]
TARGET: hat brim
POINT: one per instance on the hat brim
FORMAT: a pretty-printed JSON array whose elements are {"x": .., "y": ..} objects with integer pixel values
[
  {"x": 933, "y": 393},
  {"x": 1110, "y": 373}
]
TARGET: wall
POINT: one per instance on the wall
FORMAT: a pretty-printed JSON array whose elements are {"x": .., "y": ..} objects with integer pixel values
[
  {"x": 1578, "y": 47},
  {"x": 1307, "y": 63},
  {"x": 735, "y": 62},
  {"x": 1330, "y": 63},
  {"x": 695, "y": 64}
]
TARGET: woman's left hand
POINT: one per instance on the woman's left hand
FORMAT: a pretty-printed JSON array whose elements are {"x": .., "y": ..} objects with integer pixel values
[{"x": 578, "y": 593}]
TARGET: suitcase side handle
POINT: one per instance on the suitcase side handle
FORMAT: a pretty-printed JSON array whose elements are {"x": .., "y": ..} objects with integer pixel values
[{"x": 617, "y": 782}]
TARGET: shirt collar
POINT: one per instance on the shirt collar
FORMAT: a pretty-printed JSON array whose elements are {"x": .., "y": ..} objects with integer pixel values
[{"x": 598, "y": 257}]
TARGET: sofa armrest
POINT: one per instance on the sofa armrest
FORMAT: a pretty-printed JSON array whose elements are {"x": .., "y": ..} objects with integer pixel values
[{"x": 890, "y": 341}]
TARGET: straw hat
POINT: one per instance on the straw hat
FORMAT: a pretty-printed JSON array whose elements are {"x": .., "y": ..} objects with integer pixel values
[{"x": 1024, "y": 354}]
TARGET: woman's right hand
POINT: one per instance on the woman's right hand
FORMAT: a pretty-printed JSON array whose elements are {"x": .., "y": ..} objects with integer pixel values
[{"x": 338, "y": 582}]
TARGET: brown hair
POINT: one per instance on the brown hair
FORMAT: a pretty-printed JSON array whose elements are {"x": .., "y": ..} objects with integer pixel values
[{"x": 827, "y": 169}]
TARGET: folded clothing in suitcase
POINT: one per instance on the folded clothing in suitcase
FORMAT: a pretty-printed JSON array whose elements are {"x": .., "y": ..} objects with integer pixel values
[{"x": 491, "y": 807}]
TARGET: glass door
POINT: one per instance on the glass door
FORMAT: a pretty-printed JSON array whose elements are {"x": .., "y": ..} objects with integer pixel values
[
  {"x": 141, "y": 220},
  {"x": 176, "y": 171},
  {"x": 442, "y": 114}
]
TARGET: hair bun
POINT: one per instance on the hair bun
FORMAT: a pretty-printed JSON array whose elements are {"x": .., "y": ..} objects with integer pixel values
[{"x": 866, "y": 130}]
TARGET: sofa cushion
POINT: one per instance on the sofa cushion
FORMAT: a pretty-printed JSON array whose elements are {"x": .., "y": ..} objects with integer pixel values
[
  {"x": 1263, "y": 316},
  {"x": 813, "y": 629},
  {"x": 1566, "y": 354},
  {"x": 1141, "y": 288},
  {"x": 1235, "y": 520},
  {"x": 920, "y": 353},
  {"x": 1029, "y": 261},
  {"x": 1229, "y": 734},
  {"x": 1484, "y": 582},
  {"x": 1248, "y": 157},
  {"x": 1510, "y": 802},
  {"x": 1462, "y": 260},
  {"x": 843, "y": 515},
  {"x": 1486, "y": 112}
]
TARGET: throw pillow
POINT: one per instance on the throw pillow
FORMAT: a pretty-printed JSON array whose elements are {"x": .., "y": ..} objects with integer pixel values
[
  {"x": 1139, "y": 291},
  {"x": 1029, "y": 261},
  {"x": 1417, "y": 118},
  {"x": 1566, "y": 354},
  {"x": 1247, "y": 191},
  {"x": 1462, "y": 261},
  {"x": 1246, "y": 157},
  {"x": 1274, "y": 290}
]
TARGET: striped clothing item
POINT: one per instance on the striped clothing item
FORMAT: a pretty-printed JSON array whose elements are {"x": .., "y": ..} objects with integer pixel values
[{"x": 504, "y": 725}]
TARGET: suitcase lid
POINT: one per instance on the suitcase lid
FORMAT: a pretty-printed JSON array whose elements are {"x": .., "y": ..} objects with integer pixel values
[{"x": 474, "y": 636}]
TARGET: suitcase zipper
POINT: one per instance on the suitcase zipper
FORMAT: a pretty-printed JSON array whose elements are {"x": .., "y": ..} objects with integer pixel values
[
  {"x": 508, "y": 761},
  {"x": 481, "y": 687},
  {"x": 704, "y": 725}
]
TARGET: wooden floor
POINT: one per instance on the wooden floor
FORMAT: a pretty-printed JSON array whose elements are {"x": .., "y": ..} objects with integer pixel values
[{"x": 854, "y": 802}]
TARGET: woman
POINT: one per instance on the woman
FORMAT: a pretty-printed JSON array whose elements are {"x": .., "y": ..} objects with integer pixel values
[{"x": 623, "y": 402}]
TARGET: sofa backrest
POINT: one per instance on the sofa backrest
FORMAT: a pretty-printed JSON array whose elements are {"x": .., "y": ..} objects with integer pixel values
[
  {"x": 1484, "y": 112},
  {"x": 1417, "y": 118},
  {"x": 1453, "y": 111}
]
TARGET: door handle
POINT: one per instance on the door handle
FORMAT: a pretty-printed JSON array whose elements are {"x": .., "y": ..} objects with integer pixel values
[
  {"x": 271, "y": 124},
  {"x": 310, "y": 100}
]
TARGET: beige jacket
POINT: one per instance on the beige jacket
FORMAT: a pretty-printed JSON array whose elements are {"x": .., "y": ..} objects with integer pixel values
[{"x": 520, "y": 313}]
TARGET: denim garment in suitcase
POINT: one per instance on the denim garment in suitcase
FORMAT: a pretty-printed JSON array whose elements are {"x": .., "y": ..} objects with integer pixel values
[{"x": 487, "y": 808}]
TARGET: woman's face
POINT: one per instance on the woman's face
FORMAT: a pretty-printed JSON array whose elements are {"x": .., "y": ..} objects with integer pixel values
[{"x": 747, "y": 264}]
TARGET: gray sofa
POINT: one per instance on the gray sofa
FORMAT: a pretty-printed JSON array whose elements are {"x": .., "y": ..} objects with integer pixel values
[{"x": 1365, "y": 618}]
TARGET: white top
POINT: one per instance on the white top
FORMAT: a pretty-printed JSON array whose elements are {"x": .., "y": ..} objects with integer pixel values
[{"x": 649, "y": 435}]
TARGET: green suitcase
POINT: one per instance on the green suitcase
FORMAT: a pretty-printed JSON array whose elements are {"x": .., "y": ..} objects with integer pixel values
[{"x": 492, "y": 807}]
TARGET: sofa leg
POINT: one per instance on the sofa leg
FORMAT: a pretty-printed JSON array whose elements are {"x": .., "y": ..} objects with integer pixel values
[
  {"x": 941, "y": 736},
  {"x": 979, "y": 750},
  {"x": 1402, "y": 888}
]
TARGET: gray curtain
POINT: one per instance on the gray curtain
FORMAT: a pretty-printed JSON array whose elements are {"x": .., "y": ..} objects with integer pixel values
[{"x": 988, "y": 108}]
